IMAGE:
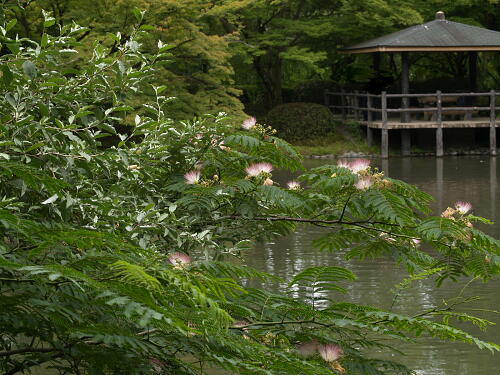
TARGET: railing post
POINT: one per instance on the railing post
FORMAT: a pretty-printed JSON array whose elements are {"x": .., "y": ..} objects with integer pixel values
[
  {"x": 439, "y": 129},
  {"x": 385, "y": 131},
  {"x": 405, "y": 85},
  {"x": 493, "y": 187},
  {"x": 369, "y": 131},
  {"x": 493, "y": 119},
  {"x": 343, "y": 105},
  {"x": 326, "y": 98},
  {"x": 405, "y": 133},
  {"x": 356, "y": 105},
  {"x": 369, "y": 107}
]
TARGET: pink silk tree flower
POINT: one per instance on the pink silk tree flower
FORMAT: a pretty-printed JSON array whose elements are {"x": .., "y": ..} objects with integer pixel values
[
  {"x": 249, "y": 123},
  {"x": 192, "y": 177},
  {"x": 179, "y": 259},
  {"x": 364, "y": 183},
  {"x": 330, "y": 352},
  {"x": 463, "y": 207},
  {"x": 256, "y": 169},
  {"x": 343, "y": 164},
  {"x": 359, "y": 165},
  {"x": 293, "y": 185}
]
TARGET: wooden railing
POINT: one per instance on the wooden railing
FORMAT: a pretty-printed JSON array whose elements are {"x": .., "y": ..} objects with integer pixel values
[
  {"x": 364, "y": 106},
  {"x": 350, "y": 104}
]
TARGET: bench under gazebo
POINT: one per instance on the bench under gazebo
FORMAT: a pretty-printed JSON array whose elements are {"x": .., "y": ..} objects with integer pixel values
[{"x": 433, "y": 110}]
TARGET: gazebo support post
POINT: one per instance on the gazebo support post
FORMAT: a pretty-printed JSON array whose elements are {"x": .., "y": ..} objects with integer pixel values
[
  {"x": 439, "y": 129},
  {"x": 385, "y": 132},
  {"x": 405, "y": 103},
  {"x": 472, "y": 81}
]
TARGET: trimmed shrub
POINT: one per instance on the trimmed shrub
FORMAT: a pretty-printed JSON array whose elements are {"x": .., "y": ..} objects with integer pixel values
[{"x": 296, "y": 121}]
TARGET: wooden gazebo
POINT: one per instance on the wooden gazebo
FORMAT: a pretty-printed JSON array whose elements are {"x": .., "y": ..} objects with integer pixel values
[{"x": 439, "y": 35}]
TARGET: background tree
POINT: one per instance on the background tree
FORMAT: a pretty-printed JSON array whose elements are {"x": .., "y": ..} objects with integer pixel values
[
  {"x": 262, "y": 53},
  {"x": 200, "y": 75}
]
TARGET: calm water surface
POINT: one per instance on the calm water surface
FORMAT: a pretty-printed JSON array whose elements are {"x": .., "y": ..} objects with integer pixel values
[{"x": 472, "y": 179}]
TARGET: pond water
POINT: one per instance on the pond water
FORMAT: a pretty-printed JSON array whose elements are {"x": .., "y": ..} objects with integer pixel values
[{"x": 450, "y": 179}]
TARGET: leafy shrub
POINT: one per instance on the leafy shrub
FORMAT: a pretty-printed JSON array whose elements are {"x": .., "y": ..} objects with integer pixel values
[{"x": 295, "y": 121}]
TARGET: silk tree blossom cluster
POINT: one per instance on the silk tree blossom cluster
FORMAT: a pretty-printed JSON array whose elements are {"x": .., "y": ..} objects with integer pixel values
[
  {"x": 459, "y": 213},
  {"x": 366, "y": 177},
  {"x": 263, "y": 170},
  {"x": 355, "y": 166},
  {"x": 259, "y": 169},
  {"x": 359, "y": 165},
  {"x": 265, "y": 131},
  {"x": 343, "y": 164},
  {"x": 249, "y": 123},
  {"x": 293, "y": 185},
  {"x": 179, "y": 260},
  {"x": 461, "y": 208},
  {"x": 364, "y": 183},
  {"x": 329, "y": 352},
  {"x": 192, "y": 177}
]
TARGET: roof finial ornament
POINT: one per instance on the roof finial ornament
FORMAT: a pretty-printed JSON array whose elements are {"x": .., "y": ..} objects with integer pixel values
[{"x": 440, "y": 15}]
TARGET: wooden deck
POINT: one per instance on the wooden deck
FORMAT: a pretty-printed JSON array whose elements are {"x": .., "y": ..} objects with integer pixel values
[
  {"x": 475, "y": 123},
  {"x": 432, "y": 111}
]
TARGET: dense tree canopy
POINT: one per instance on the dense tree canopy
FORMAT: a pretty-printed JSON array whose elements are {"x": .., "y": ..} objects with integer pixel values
[
  {"x": 199, "y": 74},
  {"x": 262, "y": 52},
  {"x": 120, "y": 228}
]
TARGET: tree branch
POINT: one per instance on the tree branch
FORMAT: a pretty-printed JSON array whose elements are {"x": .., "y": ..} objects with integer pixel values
[{"x": 27, "y": 350}]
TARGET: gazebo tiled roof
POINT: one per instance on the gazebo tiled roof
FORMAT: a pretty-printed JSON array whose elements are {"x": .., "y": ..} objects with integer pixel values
[{"x": 439, "y": 35}]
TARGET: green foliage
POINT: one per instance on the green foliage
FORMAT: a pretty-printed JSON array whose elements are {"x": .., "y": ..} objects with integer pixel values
[
  {"x": 122, "y": 229},
  {"x": 296, "y": 121},
  {"x": 198, "y": 70},
  {"x": 322, "y": 280}
]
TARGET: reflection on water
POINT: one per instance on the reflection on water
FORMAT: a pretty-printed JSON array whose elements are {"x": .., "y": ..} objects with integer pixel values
[{"x": 472, "y": 179}]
